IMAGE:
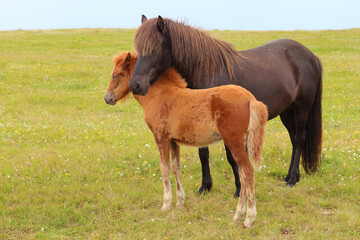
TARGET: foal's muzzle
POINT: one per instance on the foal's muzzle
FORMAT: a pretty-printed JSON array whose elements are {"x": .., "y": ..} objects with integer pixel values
[{"x": 110, "y": 98}]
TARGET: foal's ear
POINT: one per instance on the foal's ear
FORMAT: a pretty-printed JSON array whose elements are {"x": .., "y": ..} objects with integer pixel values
[
  {"x": 143, "y": 18},
  {"x": 160, "y": 24},
  {"x": 127, "y": 59}
]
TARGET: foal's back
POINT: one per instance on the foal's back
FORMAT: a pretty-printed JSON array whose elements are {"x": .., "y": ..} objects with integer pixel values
[{"x": 195, "y": 117}]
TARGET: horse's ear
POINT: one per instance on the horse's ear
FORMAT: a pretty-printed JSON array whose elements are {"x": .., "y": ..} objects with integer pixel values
[
  {"x": 127, "y": 59},
  {"x": 160, "y": 24},
  {"x": 143, "y": 18}
]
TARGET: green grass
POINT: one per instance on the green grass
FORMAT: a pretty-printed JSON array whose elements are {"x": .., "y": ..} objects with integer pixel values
[{"x": 72, "y": 167}]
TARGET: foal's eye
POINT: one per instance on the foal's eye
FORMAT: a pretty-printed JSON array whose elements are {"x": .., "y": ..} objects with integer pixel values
[{"x": 115, "y": 76}]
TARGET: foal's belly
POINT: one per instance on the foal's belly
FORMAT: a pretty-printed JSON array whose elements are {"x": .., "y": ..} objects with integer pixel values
[{"x": 197, "y": 135}]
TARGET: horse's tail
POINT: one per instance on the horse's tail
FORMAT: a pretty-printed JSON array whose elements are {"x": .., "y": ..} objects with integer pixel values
[
  {"x": 256, "y": 131},
  {"x": 313, "y": 136}
]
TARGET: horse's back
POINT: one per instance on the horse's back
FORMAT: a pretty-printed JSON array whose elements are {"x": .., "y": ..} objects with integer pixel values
[
  {"x": 279, "y": 46},
  {"x": 284, "y": 67},
  {"x": 286, "y": 54}
]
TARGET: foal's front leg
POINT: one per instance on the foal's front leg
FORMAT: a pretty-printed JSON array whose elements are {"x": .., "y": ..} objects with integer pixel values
[
  {"x": 176, "y": 168},
  {"x": 165, "y": 171}
]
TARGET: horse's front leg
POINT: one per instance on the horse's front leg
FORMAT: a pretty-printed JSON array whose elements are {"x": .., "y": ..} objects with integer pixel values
[
  {"x": 176, "y": 168},
  {"x": 165, "y": 171}
]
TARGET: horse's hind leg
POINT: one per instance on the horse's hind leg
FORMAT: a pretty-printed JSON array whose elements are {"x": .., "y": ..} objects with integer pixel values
[
  {"x": 235, "y": 169},
  {"x": 176, "y": 168},
  {"x": 206, "y": 183},
  {"x": 288, "y": 119},
  {"x": 165, "y": 171},
  {"x": 298, "y": 141}
]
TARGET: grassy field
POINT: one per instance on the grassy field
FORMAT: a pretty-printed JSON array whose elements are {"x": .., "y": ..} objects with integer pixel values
[{"x": 72, "y": 167}]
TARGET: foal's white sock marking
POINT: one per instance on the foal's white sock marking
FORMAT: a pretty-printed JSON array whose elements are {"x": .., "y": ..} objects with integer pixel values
[
  {"x": 180, "y": 194},
  {"x": 240, "y": 209},
  {"x": 250, "y": 216},
  {"x": 165, "y": 170},
  {"x": 167, "y": 195}
]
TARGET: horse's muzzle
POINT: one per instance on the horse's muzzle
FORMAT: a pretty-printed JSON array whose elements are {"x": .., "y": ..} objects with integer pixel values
[{"x": 138, "y": 87}]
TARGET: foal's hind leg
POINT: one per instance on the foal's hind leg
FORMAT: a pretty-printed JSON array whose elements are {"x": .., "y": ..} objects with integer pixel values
[
  {"x": 240, "y": 209},
  {"x": 250, "y": 193},
  {"x": 176, "y": 168},
  {"x": 165, "y": 171},
  {"x": 247, "y": 180}
]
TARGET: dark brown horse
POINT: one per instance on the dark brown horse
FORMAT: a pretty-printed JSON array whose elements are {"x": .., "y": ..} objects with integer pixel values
[{"x": 283, "y": 74}]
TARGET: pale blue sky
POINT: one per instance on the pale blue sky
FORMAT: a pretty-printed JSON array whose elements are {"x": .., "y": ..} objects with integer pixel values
[{"x": 206, "y": 14}]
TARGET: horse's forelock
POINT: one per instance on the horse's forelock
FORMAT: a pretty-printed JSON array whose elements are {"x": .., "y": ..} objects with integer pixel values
[{"x": 147, "y": 38}]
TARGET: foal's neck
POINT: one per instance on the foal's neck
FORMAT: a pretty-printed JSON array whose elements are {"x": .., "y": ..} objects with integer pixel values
[{"x": 169, "y": 81}]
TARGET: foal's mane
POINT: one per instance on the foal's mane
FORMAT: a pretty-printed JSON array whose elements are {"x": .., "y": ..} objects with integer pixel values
[
  {"x": 196, "y": 54},
  {"x": 121, "y": 56},
  {"x": 171, "y": 77}
]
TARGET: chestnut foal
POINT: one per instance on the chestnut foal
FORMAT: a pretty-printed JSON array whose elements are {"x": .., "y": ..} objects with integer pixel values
[{"x": 178, "y": 115}]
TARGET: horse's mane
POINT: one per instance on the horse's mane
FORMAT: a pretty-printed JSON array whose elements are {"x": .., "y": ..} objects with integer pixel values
[{"x": 196, "y": 54}]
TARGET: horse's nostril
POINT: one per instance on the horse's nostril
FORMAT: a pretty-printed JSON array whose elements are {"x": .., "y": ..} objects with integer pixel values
[{"x": 137, "y": 86}]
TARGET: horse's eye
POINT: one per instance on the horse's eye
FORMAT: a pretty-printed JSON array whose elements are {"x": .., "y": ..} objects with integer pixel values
[{"x": 115, "y": 76}]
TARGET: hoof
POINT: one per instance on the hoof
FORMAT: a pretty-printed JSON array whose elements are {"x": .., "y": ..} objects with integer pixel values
[
  {"x": 204, "y": 189},
  {"x": 293, "y": 180},
  {"x": 247, "y": 225},
  {"x": 249, "y": 221},
  {"x": 238, "y": 215},
  {"x": 286, "y": 179},
  {"x": 237, "y": 193},
  {"x": 289, "y": 185},
  {"x": 180, "y": 206},
  {"x": 165, "y": 208},
  {"x": 236, "y": 218}
]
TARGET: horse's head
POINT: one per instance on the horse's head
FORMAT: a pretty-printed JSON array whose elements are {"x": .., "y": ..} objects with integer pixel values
[
  {"x": 119, "y": 85},
  {"x": 153, "y": 44}
]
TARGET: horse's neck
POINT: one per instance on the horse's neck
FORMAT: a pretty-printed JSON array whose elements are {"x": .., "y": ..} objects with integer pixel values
[{"x": 226, "y": 73}]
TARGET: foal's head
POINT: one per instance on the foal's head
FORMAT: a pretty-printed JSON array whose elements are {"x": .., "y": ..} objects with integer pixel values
[{"x": 119, "y": 85}]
